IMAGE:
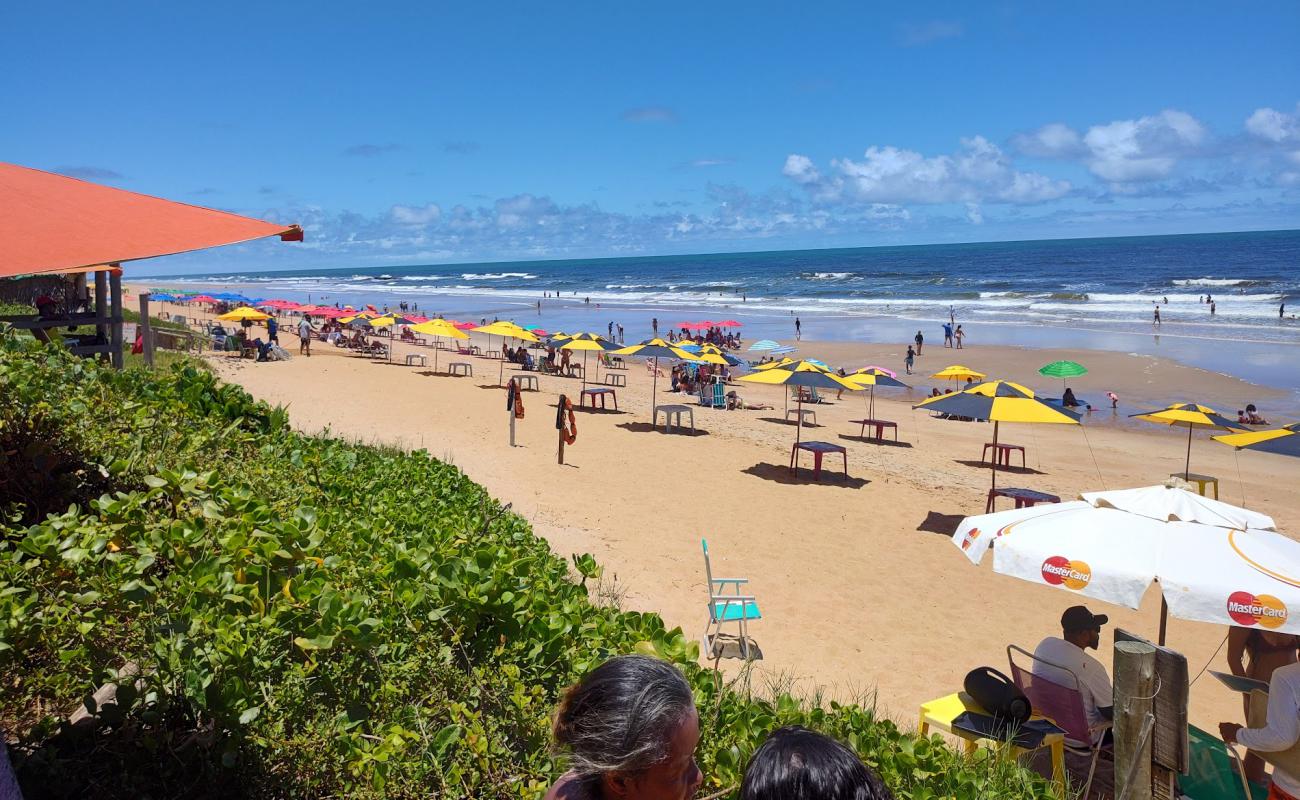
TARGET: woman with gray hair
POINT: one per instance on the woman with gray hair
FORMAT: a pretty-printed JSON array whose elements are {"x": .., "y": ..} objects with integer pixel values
[{"x": 630, "y": 730}]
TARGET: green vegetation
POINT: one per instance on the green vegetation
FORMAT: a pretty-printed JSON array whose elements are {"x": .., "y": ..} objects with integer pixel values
[{"x": 307, "y": 617}]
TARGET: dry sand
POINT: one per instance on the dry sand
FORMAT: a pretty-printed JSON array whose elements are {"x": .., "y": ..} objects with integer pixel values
[{"x": 860, "y": 587}]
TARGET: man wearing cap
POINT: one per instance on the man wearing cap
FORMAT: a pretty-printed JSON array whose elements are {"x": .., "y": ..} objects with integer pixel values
[{"x": 1080, "y": 629}]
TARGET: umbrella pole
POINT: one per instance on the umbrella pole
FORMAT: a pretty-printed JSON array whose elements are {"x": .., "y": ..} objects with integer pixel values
[
  {"x": 584, "y": 370},
  {"x": 1164, "y": 618},
  {"x": 1187, "y": 464},
  {"x": 872, "y": 411},
  {"x": 798, "y": 419},
  {"x": 995, "y": 455},
  {"x": 654, "y": 385}
]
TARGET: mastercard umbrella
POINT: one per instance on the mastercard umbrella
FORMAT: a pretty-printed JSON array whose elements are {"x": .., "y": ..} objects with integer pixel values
[
  {"x": 439, "y": 327},
  {"x": 801, "y": 373},
  {"x": 998, "y": 402},
  {"x": 1284, "y": 441},
  {"x": 1215, "y": 562},
  {"x": 1189, "y": 416},
  {"x": 655, "y": 348}
]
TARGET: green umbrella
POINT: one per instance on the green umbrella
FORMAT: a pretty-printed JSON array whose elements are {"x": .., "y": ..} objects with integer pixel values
[{"x": 1063, "y": 370}]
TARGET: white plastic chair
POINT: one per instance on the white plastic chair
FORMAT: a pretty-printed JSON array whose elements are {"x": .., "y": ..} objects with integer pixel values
[{"x": 727, "y": 606}]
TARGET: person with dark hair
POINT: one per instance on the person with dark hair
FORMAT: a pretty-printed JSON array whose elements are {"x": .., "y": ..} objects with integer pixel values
[
  {"x": 630, "y": 729},
  {"x": 795, "y": 763}
]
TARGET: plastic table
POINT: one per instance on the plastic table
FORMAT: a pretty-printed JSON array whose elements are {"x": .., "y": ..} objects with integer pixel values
[
  {"x": 671, "y": 412},
  {"x": 940, "y": 712},
  {"x": 1002, "y": 453},
  {"x": 1025, "y": 498},
  {"x": 460, "y": 368},
  {"x": 818, "y": 449},
  {"x": 878, "y": 424},
  {"x": 1201, "y": 481},
  {"x": 599, "y": 391}
]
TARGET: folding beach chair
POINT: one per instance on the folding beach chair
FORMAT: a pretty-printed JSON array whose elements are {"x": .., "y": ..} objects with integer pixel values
[
  {"x": 1062, "y": 703},
  {"x": 727, "y": 606}
]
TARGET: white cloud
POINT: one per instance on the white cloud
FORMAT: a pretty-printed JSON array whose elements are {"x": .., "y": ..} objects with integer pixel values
[
  {"x": 978, "y": 172},
  {"x": 1054, "y": 140},
  {"x": 416, "y": 215},
  {"x": 1123, "y": 151},
  {"x": 1275, "y": 126},
  {"x": 973, "y": 214},
  {"x": 1143, "y": 149}
]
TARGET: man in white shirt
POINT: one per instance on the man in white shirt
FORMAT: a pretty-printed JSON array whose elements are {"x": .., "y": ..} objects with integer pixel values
[
  {"x": 305, "y": 331},
  {"x": 1281, "y": 732},
  {"x": 1080, "y": 629}
]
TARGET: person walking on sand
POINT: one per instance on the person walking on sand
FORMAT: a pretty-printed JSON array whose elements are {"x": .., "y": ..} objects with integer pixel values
[
  {"x": 920, "y": 340},
  {"x": 798, "y": 329},
  {"x": 947, "y": 334},
  {"x": 958, "y": 335},
  {"x": 909, "y": 359},
  {"x": 305, "y": 331}
]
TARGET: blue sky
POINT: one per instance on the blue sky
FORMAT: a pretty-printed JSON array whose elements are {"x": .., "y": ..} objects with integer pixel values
[{"x": 424, "y": 133}]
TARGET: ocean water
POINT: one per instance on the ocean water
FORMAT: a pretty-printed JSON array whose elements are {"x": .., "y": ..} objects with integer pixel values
[{"x": 1108, "y": 285}]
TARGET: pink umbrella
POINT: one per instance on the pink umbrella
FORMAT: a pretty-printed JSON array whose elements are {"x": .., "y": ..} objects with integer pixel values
[
  {"x": 727, "y": 323},
  {"x": 464, "y": 326},
  {"x": 203, "y": 298},
  {"x": 888, "y": 372}
]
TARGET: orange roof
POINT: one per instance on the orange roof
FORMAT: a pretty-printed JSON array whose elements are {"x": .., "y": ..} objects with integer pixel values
[{"x": 52, "y": 223}]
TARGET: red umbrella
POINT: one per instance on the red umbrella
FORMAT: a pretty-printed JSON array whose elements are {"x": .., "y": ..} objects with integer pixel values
[
  {"x": 727, "y": 323},
  {"x": 203, "y": 298},
  {"x": 464, "y": 326}
]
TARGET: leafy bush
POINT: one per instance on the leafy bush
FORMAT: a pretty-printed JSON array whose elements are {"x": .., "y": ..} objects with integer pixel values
[{"x": 289, "y": 615}]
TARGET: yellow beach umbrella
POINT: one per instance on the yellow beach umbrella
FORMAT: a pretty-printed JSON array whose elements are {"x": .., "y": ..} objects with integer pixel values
[
  {"x": 504, "y": 328},
  {"x": 959, "y": 373},
  {"x": 439, "y": 327},
  {"x": 587, "y": 342},
  {"x": 655, "y": 348},
  {"x": 1190, "y": 416},
  {"x": 1283, "y": 441},
  {"x": 801, "y": 373},
  {"x": 871, "y": 377},
  {"x": 999, "y": 401},
  {"x": 243, "y": 313},
  {"x": 784, "y": 362}
]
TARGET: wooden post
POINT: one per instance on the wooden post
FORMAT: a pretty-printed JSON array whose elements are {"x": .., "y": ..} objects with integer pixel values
[
  {"x": 510, "y": 409},
  {"x": 101, "y": 304},
  {"x": 146, "y": 333},
  {"x": 115, "y": 300},
  {"x": 1135, "y": 677}
]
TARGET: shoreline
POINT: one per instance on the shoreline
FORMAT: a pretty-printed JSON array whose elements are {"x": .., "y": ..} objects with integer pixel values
[{"x": 1265, "y": 373}]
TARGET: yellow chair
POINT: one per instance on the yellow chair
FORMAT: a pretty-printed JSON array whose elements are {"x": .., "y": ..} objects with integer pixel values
[{"x": 940, "y": 712}]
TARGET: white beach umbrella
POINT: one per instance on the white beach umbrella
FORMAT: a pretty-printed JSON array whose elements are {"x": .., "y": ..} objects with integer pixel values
[{"x": 1215, "y": 562}]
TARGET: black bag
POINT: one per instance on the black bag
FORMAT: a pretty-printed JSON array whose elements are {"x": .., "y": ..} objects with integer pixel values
[{"x": 998, "y": 695}]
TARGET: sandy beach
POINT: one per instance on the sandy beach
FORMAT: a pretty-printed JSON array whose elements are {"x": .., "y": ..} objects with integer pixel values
[{"x": 860, "y": 587}]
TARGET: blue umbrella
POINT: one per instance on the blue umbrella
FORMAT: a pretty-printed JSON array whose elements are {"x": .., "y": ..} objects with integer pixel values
[{"x": 765, "y": 344}]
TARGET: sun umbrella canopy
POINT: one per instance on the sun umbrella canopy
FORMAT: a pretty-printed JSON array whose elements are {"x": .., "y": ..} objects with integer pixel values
[
  {"x": 801, "y": 373},
  {"x": 385, "y": 322},
  {"x": 998, "y": 401},
  {"x": 874, "y": 376},
  {"x": 439, "y": 327},
  {"x": 1112, "y": 545},
  {"x": 1189, "y": 415},
  {"x": 506, "y": 328},
  {"x": 242, "y": 313},
  {"x": 1282, "y": 441},
  {"x": 588, "y": 341},
  {"x": 764, "y": 344},
  {"x": 1063, "y": 369},
  {"x": 959, "y": 373},
  {"x": 655, "y": 348},
  {"x": 728, "y": 323}
]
